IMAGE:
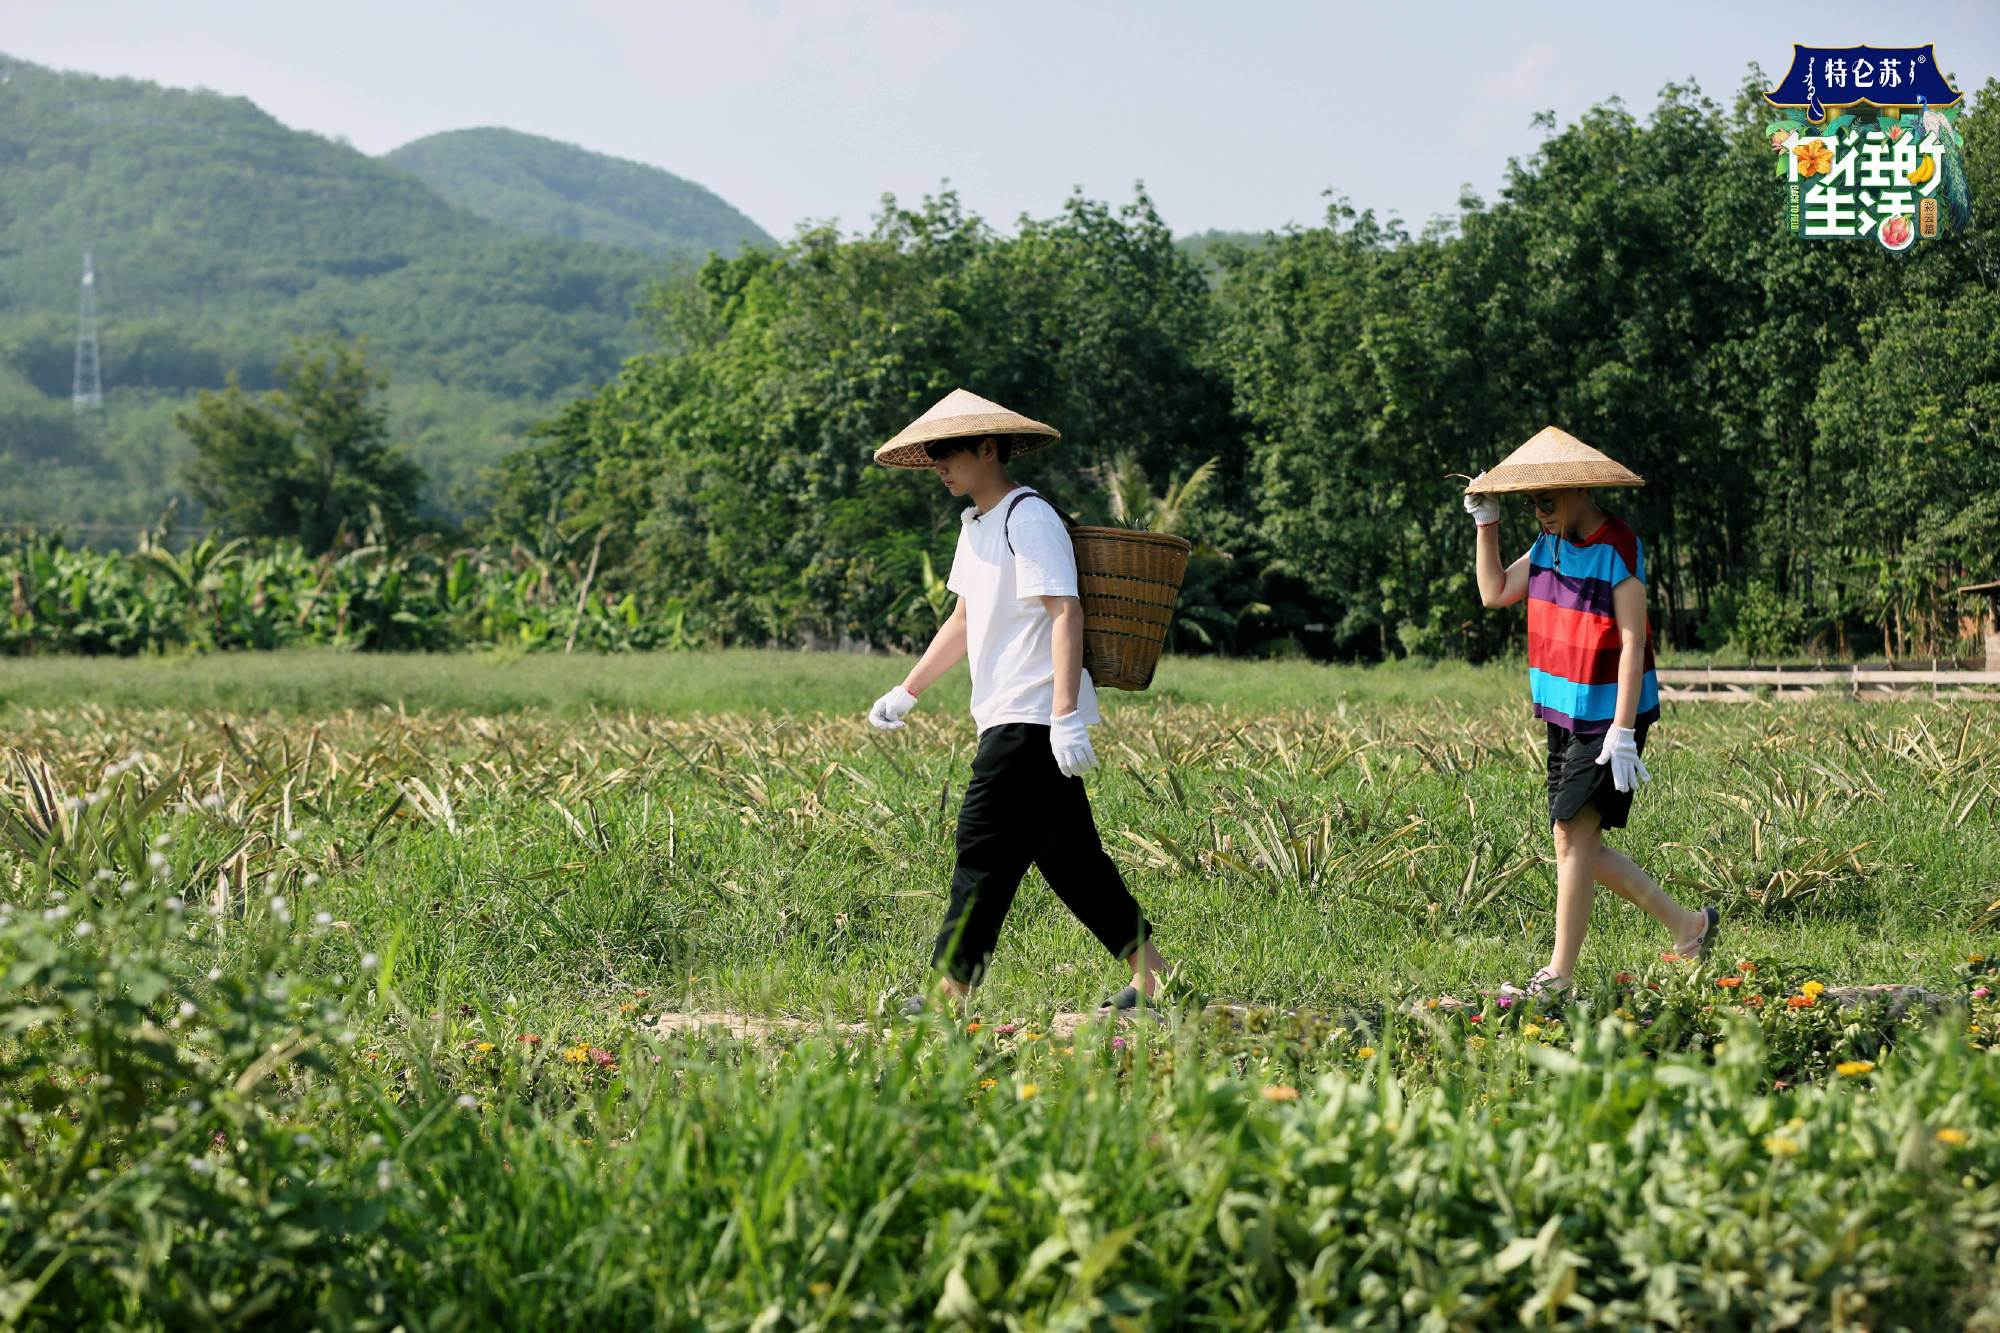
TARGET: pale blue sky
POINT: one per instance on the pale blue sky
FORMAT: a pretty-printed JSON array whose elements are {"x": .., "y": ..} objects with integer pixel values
[{"x": 1236, "y": 115}]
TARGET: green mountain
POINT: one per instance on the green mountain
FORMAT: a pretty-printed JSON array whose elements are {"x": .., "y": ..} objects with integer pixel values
[
  {"x": 548, "y": 188},
  {"x": 218, "y": 235}
]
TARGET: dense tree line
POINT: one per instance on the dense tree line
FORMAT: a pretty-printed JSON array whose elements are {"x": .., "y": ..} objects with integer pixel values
[{"x": 1817, "y": 421}]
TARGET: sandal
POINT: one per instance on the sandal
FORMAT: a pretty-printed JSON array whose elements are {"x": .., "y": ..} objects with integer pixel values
[
  {"x": 1129, "y": 998},
  {"x": 1711, "y": 921},
  {"x": 1545, "y": 987}
]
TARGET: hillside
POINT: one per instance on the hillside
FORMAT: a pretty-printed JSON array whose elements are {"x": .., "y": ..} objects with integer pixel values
[
  {"x": 219, "y": 234},
  {"x": 547, "y": 188}
]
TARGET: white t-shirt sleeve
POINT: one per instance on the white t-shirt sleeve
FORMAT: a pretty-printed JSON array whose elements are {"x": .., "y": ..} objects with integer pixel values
[
  {"x": 960, "y": 559},
  {"x": 1044, "y": 559}
]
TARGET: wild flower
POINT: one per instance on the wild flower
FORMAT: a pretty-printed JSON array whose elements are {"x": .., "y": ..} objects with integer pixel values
[
  {"x": 1531, "y": 1029},
  {"x": 1954, "y": 1137},
  {"x": 988, "y": 1083},
  {"x": 575, "y": 1055},
  {"x": 1005, "y": 1030},
  {"x": 1366, "y": 1052},
  {"x": 1813, "y": 989},
  {"x": 1780, "y": 1145},
  {"x": 1278, "y": 1092},
  {"x": 1799, "y": 1002},
  {"x": 1729, "y": 983},
  {"x": 529, "y": 1039},
  {"x": 482, "y": 1046},
  {"x": 1981, "y": 992},
  {"x": 1853, "y": 1068},
  {"x": 1028, "y": 1091},
  {"x": 974, "y": 1026},
  {"x": 603, "y": 1059},
  {"x": 1119, "y": 1043}
]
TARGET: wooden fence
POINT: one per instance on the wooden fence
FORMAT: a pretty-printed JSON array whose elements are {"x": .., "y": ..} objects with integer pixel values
[{"x": 1747, "y": 684}]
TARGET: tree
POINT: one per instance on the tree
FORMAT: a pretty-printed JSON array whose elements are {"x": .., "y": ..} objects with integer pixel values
[{"x": 306, "y": 459}]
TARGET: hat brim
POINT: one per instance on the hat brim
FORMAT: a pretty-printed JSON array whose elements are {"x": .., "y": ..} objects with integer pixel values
[
  {"x": 1511, "y": 477},
  {"x": 908, "y": 449}
]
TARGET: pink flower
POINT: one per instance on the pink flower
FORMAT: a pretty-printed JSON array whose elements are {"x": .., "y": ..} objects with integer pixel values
[
  {"x": 1981, "y": 992},
  {"x": 1005, "y": 1029},
  {"x": 1505, "y": 1001},
  {"x": 1117, "y": 1043}
]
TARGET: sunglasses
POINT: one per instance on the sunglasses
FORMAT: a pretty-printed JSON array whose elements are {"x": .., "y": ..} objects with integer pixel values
[{"x": 1543, "y": 502}]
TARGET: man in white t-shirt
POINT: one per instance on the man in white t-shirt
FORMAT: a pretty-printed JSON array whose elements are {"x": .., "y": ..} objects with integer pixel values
[{"x": 1020, "y": 625}]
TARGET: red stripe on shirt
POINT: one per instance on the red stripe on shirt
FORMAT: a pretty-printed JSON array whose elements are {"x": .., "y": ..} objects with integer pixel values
[{"x": 1576, "y": 645}]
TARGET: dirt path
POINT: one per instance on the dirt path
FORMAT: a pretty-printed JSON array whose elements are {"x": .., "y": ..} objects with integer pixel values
[{"x": 1899, "y": 999}]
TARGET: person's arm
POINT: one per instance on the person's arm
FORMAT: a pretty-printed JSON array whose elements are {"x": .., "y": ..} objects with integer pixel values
[
  {"x": 1066, "y": 644},
  {"x": 1497, "y": 587},
  {"x": 946, "y": 651},
  {"x": 1628, "y": 609}
]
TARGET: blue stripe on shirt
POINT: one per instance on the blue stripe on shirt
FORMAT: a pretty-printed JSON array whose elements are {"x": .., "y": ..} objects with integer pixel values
[{"x": 1588, "y": 703}]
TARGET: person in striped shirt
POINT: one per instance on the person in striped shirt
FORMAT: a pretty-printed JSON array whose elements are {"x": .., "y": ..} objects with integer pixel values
[{"x": 1590, "y": 669}]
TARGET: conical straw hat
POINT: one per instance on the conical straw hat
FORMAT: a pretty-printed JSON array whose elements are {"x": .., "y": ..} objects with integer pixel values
[
  {"x": 957, "y": 415},
  {"x": 1554, "y": 459}
]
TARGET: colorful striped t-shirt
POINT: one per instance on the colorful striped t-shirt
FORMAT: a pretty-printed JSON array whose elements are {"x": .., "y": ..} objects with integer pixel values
[{"x": 1573, "y": 644}]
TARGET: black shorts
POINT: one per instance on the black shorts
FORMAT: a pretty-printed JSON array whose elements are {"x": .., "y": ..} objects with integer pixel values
[{"x": 1576, "y": 779}]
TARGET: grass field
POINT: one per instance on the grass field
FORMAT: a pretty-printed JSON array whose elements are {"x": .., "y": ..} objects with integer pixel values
[{"x": 271, "y": 992}]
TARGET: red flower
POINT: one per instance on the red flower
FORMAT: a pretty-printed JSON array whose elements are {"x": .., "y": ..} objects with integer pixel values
[
  {"x": 530, "y": 1038},
  {"x": 1624, "y": 978},
  {"x": 1729, "y": 983}
]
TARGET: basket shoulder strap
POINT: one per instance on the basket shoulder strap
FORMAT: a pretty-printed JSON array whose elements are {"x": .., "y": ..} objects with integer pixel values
[{"x": 1014, "y": 503}]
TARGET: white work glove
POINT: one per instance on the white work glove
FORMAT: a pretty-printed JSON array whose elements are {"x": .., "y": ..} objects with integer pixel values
[
  {"x": 1621, "y": 751},
  {"x": 888, "y": 712},
  {"x": 1484, "y": 507},
  {"x": 1069, "y": 741}
]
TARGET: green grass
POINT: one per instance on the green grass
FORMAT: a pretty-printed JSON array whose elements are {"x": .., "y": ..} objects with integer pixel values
[
  {"x": 309, "y": 680},
  {"x": 563, "y": 848}
]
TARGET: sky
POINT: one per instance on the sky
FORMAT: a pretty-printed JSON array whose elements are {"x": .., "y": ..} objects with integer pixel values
[{"x": 1236, "y": 116}]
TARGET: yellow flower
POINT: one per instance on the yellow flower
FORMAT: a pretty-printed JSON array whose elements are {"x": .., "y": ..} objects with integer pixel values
[
  {"x": 986, "y": 1083},
  {"x": 1952, "y": 1136},
  {"x": 1531, "y": 1029},
  {"x": 821, "y": 1288},
  {"x": 1031, "y": 1036},
  {"x": 1278, "y": 1092},
  {"x": 1814, "y": 157},
  {"x": 627, "y": 1007},
  {"x": 1028, "y": 1091},
  {"x": 1780, "y": 1145},
  {"x": 1812, "y": 990},
  {"x": 482, "y": 1046},
  {"x": 576, "y": 1055},
  {"x": 1476, "y": 1043},
  {"x": 1366, "y": 1052},
  {"x": 1853, "y": 1068}
]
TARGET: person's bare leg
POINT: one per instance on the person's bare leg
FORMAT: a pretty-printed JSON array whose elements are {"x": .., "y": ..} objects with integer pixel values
[
  {"x": 1149, "y": 969},
  {"x": 1578, "y": 842},
  {"x": 1620, "y": 874}
]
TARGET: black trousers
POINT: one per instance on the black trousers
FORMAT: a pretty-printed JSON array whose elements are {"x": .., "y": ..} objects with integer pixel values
[{"x": 1019, "y": 811}]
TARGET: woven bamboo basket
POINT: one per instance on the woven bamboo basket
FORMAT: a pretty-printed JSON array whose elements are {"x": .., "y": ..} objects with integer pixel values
[{"x": 1128, "y": 583}]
